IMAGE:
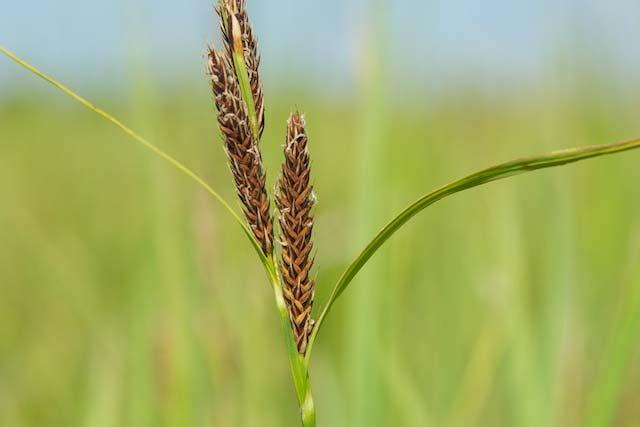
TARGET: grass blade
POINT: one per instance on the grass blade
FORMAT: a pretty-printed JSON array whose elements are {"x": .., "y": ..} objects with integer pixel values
[
  {"x": 495, "y": 173},
  {"x": 142, "y": 141}
]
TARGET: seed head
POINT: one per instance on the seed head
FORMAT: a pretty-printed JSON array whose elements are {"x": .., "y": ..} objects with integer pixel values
[
  {"x": 242, "y": 149},
  {"x": 295, "y": 202}
]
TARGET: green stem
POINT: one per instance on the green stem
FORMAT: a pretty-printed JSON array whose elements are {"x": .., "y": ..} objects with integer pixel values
[
  {"x": 297, "y": 363},
  {"x": 308, "y": 411}
]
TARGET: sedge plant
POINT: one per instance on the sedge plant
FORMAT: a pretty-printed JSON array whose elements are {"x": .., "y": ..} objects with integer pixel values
[{"x": 286, "y": 251}]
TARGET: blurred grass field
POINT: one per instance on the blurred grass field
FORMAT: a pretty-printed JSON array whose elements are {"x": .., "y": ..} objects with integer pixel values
[{"x": 129, "y": 298}]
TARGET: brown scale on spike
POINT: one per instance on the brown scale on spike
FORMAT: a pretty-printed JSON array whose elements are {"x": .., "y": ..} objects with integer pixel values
[
  {"x": 295, "y": 202},
  {"x": 242, "y": 149},
  {"x": 236, "y": 8}
]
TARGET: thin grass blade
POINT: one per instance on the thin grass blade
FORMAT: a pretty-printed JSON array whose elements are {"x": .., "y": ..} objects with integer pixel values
[
  {"x": 142, "y": 141},
  {"x": 495, "y": 173}
]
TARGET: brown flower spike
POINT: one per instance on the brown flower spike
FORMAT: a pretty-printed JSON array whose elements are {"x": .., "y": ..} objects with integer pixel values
[
  {"x": 295, "y": 201},
  {"x": 242, "y": 149},
  {"x": 230, "y": 10}
]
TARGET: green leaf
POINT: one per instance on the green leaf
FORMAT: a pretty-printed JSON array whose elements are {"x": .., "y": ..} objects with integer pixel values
[
  {"x": 502, "y": 171},
  {"x": 145, "y": 143}
]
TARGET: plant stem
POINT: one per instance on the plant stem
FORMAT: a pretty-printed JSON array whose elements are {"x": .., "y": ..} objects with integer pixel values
[
  {"x": 297, "y": 362},
  {"x": 308, "y": 410}
]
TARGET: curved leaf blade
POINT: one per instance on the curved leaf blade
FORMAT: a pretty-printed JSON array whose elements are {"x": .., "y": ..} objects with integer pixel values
[
  {"x": 142, "y": 141},
  {"x": 495, "y": 173}
]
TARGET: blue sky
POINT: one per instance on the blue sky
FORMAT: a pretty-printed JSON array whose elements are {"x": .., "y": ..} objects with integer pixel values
[{"x": 492, "y": 42}]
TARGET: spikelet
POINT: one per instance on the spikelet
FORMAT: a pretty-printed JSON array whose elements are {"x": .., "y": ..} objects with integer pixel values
[
  {"x": 242, "y": 149},
  {"x": 295, "y": 202}
]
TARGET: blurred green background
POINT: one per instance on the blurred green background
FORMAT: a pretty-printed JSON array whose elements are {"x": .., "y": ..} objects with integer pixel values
[{"x": 129, "y": 298}]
